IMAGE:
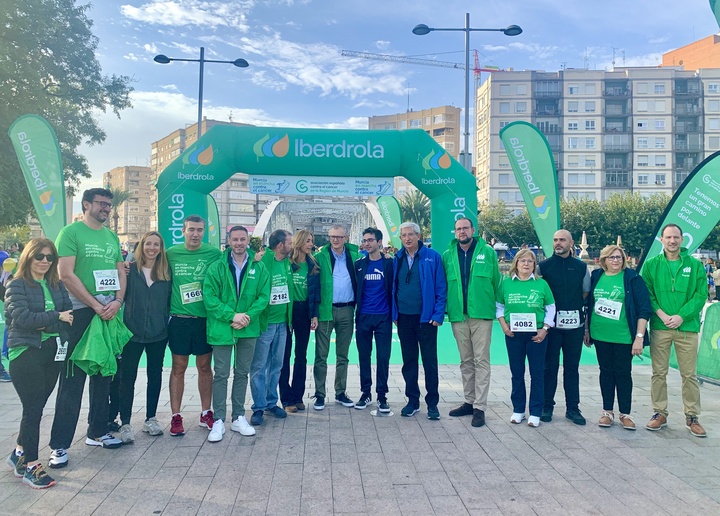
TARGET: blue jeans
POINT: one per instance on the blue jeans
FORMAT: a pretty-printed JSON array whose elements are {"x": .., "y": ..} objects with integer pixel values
[
  {"x": 519, "y": 347},
  {"x": 266, "y": 365}
]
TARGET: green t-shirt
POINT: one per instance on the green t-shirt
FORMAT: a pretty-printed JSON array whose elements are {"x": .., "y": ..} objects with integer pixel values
[
  {"x": 96, "y": 252},
  {"x": 608, "y": 322},
  {"x": 279, "y": 292},
  {"x": 299, "y": 287},
  {"x": 525, "y": 297},
  {"x": 188, "y": 274},
  {"x": 16, "y": 351}
]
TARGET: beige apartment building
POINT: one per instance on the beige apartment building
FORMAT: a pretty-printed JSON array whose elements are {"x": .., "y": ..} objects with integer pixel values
[
  {"x": 136, "y": 216},
  {"x": 631, "y": 129},
  {"x": 442, "y": 123}
]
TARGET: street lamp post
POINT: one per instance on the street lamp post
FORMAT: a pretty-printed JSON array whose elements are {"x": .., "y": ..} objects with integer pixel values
[
  {"x": 163, "y": 59},
  {"x": 511, "y": 30}
]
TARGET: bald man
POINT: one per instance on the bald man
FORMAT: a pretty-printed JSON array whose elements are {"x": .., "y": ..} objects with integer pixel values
[{"x": 569, "y": 280}]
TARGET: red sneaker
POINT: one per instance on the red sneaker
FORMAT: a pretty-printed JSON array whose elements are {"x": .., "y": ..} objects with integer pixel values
[
  {"x": 176, "y": 426},
  {"x": 207, "y": 420}
]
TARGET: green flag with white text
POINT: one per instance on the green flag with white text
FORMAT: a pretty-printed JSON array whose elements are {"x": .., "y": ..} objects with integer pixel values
[
  {"x": 39, "y": 155},
  {"x": 532, "y": 162},
  {"x": 390, "y": 211},
  {"x": 213, "y": 228}
]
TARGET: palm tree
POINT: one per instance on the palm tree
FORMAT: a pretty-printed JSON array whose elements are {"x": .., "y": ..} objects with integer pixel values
[
  {"x": 415, "y": 207},
  {"x": 118, "y": 197}
]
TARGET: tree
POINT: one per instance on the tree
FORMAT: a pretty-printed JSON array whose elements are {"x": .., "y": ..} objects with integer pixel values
[
  {"x": 415, "y": 207},
  {"x": 118, "y": 198},
  {"x": 48, "y": 67}
]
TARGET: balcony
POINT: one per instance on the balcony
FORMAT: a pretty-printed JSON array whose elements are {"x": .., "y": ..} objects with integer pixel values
[
  {"x": 613, "y": 111},
  {"x": 687, "y": 128},
  {"x": 679, "y": 177},
  {"x": 620, "y": 183},
  {"x": 690, "y": 92},
  {"x": 687, "y": 147},
  {"x": 616, "y": 92},
  {"x": 616, "y": 166},
  {"x": 616, "y": 130},
  {"x": 617, "y": 147},
  {"x": 548, "y": 94},
  {"x": 544, "y": 111},
  {"x": 687, "y": 110}
]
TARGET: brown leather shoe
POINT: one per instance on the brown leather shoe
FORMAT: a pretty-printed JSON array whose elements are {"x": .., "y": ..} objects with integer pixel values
[
  {"x": 290, "y": 408},
  {"x": 692, "y": 424},
  {"x": 627, "y": 422},
  {"x": 656, "y": 422},
  {"x": 606, "y": 419}
]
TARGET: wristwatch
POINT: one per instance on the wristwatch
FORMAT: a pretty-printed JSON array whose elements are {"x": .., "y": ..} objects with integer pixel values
[
  {"x": 641, "y": 335},
  {"x": 546, "y": 327}
]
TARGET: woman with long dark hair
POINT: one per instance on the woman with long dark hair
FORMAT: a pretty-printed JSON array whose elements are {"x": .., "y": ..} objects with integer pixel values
[
  {"x": 147, "y": 312},
  {"x": 38, "y": 312}
]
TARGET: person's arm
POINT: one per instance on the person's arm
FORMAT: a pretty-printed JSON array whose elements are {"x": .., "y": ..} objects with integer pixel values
[
  {"x": 212, "y": 287},
  {"x": 440, "y": 293},
  {"x": 695, "y": 304},
  {"x": 17, "y": 304},
  {"x": 66, "y": 269},
  {"x": 263, "y": 297},
  {"x": 111, "y": 309}
]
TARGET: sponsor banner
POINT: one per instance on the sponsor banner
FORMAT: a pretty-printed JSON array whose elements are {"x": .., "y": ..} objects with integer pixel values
[
  {"x": 213, "y": 222},
  {"x": 532, "y": 162},
  {"x": 350, "y": 186},
  {"x": 390, "y": 211},
  {"x": 695, "y": 207},
  {"x": 39, "y": 155}
]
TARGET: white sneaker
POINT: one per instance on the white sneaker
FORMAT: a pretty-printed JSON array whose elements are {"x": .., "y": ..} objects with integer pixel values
[
  {"x": 127, "y": 434},
  {"x": 241, "y": 426},
  {"x": 152, "y": 427},
  {"x": 517, "y": 418},
  {"x": 534, "y": 421},
  {"x": 106, "y": 441},
  {"x": 58, "y": 458},
  {"x": 217, "y": 431}
]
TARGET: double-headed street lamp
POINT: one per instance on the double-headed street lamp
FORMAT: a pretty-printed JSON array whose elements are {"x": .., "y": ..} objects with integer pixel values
[
  {"x": 163, "y": 59},
  {"x": 511, "y": 30}
]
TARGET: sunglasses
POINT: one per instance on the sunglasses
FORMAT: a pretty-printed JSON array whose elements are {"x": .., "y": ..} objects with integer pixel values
[{"x": 40, "y": 257}]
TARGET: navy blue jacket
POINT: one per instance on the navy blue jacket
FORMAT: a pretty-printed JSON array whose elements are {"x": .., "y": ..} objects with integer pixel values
[
  {"x": 313, "y": 285},
  {"x": 637, "y": 300},
  {"x": 361, "y": 265},
  {"x": 433, "y": 284}
]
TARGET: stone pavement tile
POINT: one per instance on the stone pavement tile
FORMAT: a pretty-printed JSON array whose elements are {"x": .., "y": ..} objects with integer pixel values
[
  {"x": 412, "y": 500},
  {"x": 425, "y": 461},
  {"x": 120, "y": 499},
  {"x": 514, "y": 470},
  {"x": 250, "y": 507},
  {"x": 448, "y": 505},
  {"x": 343, "y": 453},
  {"x": 436, "y": 483},
  {"x": 402, "y": 473},
  {"x": 376, "y": 485},
  {"x": 316, "y": 507},
  {"x": 159, "y": 492},
  {"x": 291, "y": 453},
  {"x": 574, "y": 504},
  {"x": 317, "y": 486},
  {"x": 600, "y": 497},
  {"x": 372, "y": 462},
  {"x": 386, "y": 506},
  {"x": 176, "y": 457},
  {"x": 554, "y": 483},
  {"x": 286, "y": 490},
  {"x": 515, "y": 507},
  {"x": 474, "y": 495},
  {"x": 188, "y": 496},
  {"x": 569, "y": 469}
]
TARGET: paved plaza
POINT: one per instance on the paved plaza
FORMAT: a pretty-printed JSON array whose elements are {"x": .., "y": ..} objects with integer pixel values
[{"x": 345, "y": 461}]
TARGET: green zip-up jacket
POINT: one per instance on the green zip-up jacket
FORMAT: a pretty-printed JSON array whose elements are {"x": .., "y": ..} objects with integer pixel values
[
  {"x": 684, "y": 294},
  {"x": 268, "y": 259},
  {"x": 482, "y": 284},
  {"x": 222, "y": 301},
  {"x": 323, "y": 258}
]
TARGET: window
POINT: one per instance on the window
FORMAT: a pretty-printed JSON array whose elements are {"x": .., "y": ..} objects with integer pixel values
[
  {"x": 659, "y": 179},
  {"x": 642, "y": 87},
  {"x": 403, "y": 124},
  {"x": 589, "y": 143},
  {"x": 504, "y": 107},
  {"x": 438, "y": 119},
  {"x": 581, "y": 179},
  {"x": 573, "y": 89},
  {"x": 217, "y": 195},
  {"x": 642, "y": 143},
  {"x": 503, "y": 179},
  {"x": 428, "y": 120},
  {"x": 504, "y": 89},
  {"x": 521, "y": 107},
  {"x": 522, "y": 89},
  {"x": 660, "y": 160},
  {"x": 713, "y": 87},
  {"x": 659, "y": 87},
  {"x": 660, "y": 142},
  {"x": 573, "y": 143},
  {"x": 572, "y": 161},
  {"x": 660, "y": 124},
  {"x": 714, "y": 106},
  {"x": 713, "y": 123},
  {"x": 503, "y": 124},
  {"x": 642, "y": 106},
  {"x": 589, "y": 106},
  {"x": 659, "y": 106},
  {"x": 643, "y": 179},
  {"x": 518, "y": 197},
  {"x": 416, "y": 123},
  {"x": 581, "y": 195},
  {"x": 573, "y": 106},
  {"x": 589, "y": 160},
  {"x": 589, "y": 125},
  {"x": 642, "y": 160},
  {"x": 572, "y": 126},
  {"x": 642, "y": 124},
  {"x": 714, "y": 142},
  {"x": 589, "y": 88},
  {"x": 504, "y": 196}
]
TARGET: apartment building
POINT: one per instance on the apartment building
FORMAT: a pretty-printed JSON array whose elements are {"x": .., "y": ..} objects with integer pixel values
[
  {"x": 442, "y": 123},
  {"x": 136, "y": 215},
  {"x": 630, "y": 129}
]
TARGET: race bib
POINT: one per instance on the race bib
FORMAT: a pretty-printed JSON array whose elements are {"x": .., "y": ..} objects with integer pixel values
[
  {"x": 567, "y": 319},
  {"x": 523, "y": 322},
  {"x": 608, "y": 308},
  {"x": 279, "y": 295},
  {"x": 106, "y": 280},
  {"x": 191, "y": 293},
  {"x": 61, "y": 353}
]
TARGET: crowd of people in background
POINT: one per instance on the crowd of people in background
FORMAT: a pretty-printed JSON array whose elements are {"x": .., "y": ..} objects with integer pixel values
[{"x": 79, "y": 308}]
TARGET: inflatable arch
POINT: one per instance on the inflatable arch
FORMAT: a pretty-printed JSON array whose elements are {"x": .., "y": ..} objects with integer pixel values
[{"x": 225, "y": 150}]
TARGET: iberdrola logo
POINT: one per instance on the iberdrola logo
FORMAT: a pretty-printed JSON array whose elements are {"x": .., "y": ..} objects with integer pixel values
[
  {"x": 274, "y": 147},
  {"x": 436, "y": 161},
  {"x": 48, "y": 202},
  {"x": 200, "y": 156},
  {"x": 541, "y": 206}
]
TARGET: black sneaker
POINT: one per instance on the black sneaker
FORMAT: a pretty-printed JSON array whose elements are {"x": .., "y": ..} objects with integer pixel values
[
  {"x": 364, "y": 401},
  {"x": 546, "y": 415},
  {"x": 575, "y": 416},
  {"x": 466, "y": 409},
  {"x": 17, "y": 463},
  {"x": 256, "y": 418},
  {"x": 343, "y": 400},
  {"x": 319, "y": 402},
  {"x": 433, "y": 413},
  {"x": 113, "y": 426},
  {"x": 383, "y": 406},
  {"x": 409, "y": 410},
  {"x": 478, "y": 419},
  {"x": 36, "y": 478}
]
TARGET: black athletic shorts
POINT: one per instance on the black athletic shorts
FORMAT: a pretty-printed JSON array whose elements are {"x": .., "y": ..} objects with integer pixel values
[{"x": 188, "y": 336}]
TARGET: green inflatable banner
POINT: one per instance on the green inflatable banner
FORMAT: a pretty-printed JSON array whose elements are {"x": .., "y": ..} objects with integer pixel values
[
  {"x": 302, "y": 153},
  {"x": 213, "y": 218},
  {"x": 708, "y": 363},
  {"x": 390, "y": 211},
  {"x": 38, "y": 151},
  {"x": 715, "y": 6},
  {"x": 695, "y": 207},
  {"x": 532, "y": 162}
]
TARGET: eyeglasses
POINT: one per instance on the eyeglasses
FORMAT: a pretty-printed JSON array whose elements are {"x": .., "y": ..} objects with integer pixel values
[
  {"x": 614, "y": 258},
  {"x": 526, "y": 261},
  {"x": 335, "y": 237},
  {"x": 465, "y": 228},
  {"x": 369, "y": 241},
  {"x": 104, "y": 204},
  {"x": 40, "y": 257}
]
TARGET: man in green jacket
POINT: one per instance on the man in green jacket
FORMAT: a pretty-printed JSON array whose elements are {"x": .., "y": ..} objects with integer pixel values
[
  {"x": 678, "y": 291},
  {"x": 236, "y": 291},
  {"x": 472, "y": 272},
  {"x": 337, "y": 310}
]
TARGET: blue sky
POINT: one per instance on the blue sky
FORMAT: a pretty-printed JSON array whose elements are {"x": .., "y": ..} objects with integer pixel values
[{"x": 297, "y": 76}]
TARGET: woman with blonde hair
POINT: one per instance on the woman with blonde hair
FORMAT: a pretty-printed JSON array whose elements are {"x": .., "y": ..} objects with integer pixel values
[
  {"x": 305, "y": 312},
  {"x": 618, "y": 311},
  {"x": 525, "y": 308},
  {"x": 38, "y": 312},
  {"x": 147, "y": 312}
]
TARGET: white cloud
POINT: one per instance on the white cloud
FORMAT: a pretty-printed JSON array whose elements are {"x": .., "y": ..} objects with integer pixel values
[
  {"x": 382, "y": 44},
  {"x": 535, "y": 50},
  {"x": 375, "y": 104},
  {"x": 131, "y": 57},
  {"x": 495, "y": 48},
  {"x": 170, "y": 87},
  {"x": 151, "y": 48},
  {"x": 174, "y": 13},
  {"x": 261, "y": 78},
  {"x": 661, "y": 39}
]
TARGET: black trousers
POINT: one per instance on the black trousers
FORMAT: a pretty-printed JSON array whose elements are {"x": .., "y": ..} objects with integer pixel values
[
  {"x": 72, "y": 385},
  {"x": 291, "y": 394},
  {"x": 155, "y": 352},
  {"x": 570, "y": 342},
  {"x": 615, "y": 361},
  {"x": 34, "y": 375},
  {"x": 379, "y": 325},
  {"x": 415, "y": 336}
]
